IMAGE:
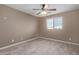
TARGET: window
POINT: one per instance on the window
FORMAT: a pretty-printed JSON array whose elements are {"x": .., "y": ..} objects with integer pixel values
[
  {"x": 54, "y": 23},
  {"x": 50, "y": 24}
]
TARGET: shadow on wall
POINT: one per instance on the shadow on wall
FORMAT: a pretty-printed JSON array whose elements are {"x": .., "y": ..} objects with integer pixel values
[
  {"x": 16, "y": 26},
  {"x": 70, "y": 30}
]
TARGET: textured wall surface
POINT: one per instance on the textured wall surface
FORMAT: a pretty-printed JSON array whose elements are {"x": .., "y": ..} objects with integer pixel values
[
  {"x": 16, "y": 26},
  {"x": 70, "y": 27}
]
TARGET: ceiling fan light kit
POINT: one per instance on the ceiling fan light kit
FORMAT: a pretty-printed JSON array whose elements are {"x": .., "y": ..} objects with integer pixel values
[{"x": 44, "y": 10}]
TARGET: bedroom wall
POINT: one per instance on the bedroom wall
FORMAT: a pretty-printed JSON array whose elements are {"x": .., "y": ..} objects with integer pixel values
[
  {"x": 16, "y": 25},
  {"x": 70, "y": 27}
]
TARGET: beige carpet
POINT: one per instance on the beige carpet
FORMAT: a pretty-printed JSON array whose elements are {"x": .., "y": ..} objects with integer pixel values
[{"x": 41, "y": 47}]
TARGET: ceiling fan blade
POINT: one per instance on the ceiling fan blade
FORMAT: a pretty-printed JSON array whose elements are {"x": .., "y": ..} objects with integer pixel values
[
  {"x": 36, "y": 9},
  {"x": 38, "y": 13},
  {"x": 51, "y": 9}
]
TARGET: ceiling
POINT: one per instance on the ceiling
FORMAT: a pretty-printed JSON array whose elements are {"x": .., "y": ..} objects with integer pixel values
[{"x": 28, "y": 8}]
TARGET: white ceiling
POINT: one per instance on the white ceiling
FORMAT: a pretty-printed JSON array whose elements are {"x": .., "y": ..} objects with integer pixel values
[{"x": 28, "y": 8}]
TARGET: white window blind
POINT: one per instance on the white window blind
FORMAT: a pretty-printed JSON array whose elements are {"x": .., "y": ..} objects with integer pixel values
[
  {"x": 54, "y": 23},
  {"x": 50, "y": 24}
]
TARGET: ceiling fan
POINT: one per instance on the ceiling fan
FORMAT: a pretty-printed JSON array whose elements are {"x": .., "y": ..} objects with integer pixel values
[{"x": 44, "y": 9}]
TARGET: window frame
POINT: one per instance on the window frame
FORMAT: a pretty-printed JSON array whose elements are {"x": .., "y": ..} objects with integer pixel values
[{"x": 54, "y": 27}]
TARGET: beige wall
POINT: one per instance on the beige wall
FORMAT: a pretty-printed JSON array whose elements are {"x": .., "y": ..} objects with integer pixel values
[
  {"x": 70, "y": 27},
  {"x": 16, "y": 25}
]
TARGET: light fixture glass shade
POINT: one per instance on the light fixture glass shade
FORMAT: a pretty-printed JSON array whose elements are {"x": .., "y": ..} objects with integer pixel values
[{"x": 43, "y": 12}]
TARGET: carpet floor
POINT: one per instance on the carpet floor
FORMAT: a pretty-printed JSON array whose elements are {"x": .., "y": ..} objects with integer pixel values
[{"x": 42, "y": 47}]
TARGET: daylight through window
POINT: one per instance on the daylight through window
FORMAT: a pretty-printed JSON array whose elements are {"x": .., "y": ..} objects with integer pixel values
[{"x": 54, "y": 23}]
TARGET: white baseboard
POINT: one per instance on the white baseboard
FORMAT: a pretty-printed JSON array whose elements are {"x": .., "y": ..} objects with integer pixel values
[
  {"x": 35, "y": 39},
  {"x": 14, "y": 44},
  {"x": 60, "y": 41}
]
